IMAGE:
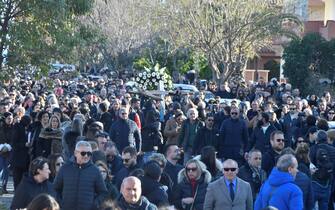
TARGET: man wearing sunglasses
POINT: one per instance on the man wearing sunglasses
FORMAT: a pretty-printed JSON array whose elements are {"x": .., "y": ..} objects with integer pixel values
[
  {"x": 79, "y": 184},
  {"x": 234, "y": 137},
  {"x": 229, "y": 192}
]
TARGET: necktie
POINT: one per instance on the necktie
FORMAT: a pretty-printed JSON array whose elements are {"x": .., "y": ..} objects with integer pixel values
[{"x": 231, "y": 191}]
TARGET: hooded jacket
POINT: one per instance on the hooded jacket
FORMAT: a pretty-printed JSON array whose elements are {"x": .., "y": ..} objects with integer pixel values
[
  {"x": 281, "y": 192},
  {"x": 28, "y": 189},
  {"x": 79, "y": 186},
  {"x": 154, "y": 191},
  {"x": 184, "y": 190}
]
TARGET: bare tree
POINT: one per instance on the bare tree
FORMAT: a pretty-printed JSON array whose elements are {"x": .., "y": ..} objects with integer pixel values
[{"x": 227, "y": 32}]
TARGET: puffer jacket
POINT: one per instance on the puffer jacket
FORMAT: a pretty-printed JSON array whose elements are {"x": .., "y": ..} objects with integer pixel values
[
  {"x": 184, "y": 190},
  {"x": 151, "y": 136},
  {"x": 281, "y": 192},
  {"x": 79, "y": 186},
  {"x": 28, "y": 189}
]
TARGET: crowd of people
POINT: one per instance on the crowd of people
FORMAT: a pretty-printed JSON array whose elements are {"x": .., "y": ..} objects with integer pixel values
[{"x": 92, "y": 144}]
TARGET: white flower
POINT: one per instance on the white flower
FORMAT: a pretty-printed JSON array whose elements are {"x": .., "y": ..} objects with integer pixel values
[
  {"x": 144, "y": 77},
  {"x": 158, "y": 77},
  {"x": 153, "y": 74},
  {"x": 140, "y": 85},
  {"x": 150, "y": 83},
  {"x": 156, "y": 83},
  {"x": 144, "y": 87},
  {"x": 137, "y": 79},
  {"x": 154, "y": 80},
  {"x": 144, "y": 73},
  {"x": 140, "y": 74}
]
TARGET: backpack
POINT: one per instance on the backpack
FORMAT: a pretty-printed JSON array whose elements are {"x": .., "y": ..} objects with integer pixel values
[{"x": 324, "y": 166}]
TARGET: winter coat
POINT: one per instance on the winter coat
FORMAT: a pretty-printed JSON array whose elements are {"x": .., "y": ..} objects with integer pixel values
[
  {"x": 218, "y": 166},
  {"x": 49, "y": 142},
  {"x": 151, "y": 136},
  {"x": 28, "y": 189},
  {"x": 269, "y": 160},
  {"x": 184, "y": 190},
  {"x": 281, "y": 192},
  {"x": 255, "y": 179},
  {"x": 260, "y": 140},
  {"x": 172, "y": 171},
  {"x": 143, "y": 204},
  {"x": 79, "y": 186},
  {"x": 205, "y": 137},
  {"x": 172, "y": 131},
  {"x": 123, "y": 173},
  {"x": 154, "y": 191},
  {"x": 184, "y": 138},
  {"x": 305, "y": 184},
  {"x": 234, "y": 139},
  {"x": 69, "y": 141},
  {"x": 115, "y": 165},
  {"x": 20, "y": 152},
  {"x": 6, "y": 136},
  {"x": 106, "y": 119},
  {"x": 126, "y": 133}
]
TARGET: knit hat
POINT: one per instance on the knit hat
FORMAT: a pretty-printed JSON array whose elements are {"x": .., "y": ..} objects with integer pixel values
[
  {"x": 322, "y": 136},
  {"x": 152, "y": 170}
]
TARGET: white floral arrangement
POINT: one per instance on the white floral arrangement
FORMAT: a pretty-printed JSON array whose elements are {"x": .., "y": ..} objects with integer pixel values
[
  {"x": 5, "y": 147},
  {"x": 149, "y": 78}
]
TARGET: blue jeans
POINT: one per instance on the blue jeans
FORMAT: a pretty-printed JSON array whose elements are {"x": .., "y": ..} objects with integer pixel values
[
  {"x": 321, "y": 195},
  {"x": 4, "y": 172}
]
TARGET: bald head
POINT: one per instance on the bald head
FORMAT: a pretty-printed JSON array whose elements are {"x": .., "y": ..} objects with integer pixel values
[
  {"x": 131, "y": 189},
  {"x": 230, "y": 169}
]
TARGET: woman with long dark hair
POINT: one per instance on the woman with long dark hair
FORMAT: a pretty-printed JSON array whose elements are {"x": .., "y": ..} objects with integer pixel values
[
  {"x": 208, "y": 157},
  {"x": 56, "y": 161}
]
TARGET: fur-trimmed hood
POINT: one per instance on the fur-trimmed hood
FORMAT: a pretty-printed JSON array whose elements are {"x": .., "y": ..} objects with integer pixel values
[{"x": 207, "y": 176}]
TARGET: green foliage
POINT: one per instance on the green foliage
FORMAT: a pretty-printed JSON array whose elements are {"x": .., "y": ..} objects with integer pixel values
[
  {"x": 142, "y": 63},
  {"x": 309, "y": 59},
  {"x": 274, "y": 68},
  {"x": 39, "y": 32}
]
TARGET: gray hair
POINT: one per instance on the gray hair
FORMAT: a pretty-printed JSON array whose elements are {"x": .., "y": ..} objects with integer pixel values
[
  {"x": 158, "y": 157},
  {"x": 195, "y": 111},
  {"x": 83, "y": 144},
  {"x": 286, "y": 161}
]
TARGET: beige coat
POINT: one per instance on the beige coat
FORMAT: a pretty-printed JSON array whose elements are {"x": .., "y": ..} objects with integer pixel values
[{"x": 172, "y": 131}]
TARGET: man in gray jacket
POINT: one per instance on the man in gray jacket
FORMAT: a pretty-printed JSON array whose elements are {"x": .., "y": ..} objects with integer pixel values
[
  {"x": 229, "y": 192},
  {"x": 79, "y": 184}
]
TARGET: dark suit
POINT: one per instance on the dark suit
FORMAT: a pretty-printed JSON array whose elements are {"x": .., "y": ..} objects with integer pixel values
[{"x": 218, "y": 197}]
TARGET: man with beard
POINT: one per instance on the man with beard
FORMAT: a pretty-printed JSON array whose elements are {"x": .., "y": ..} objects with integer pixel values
[
  {"x": 172, "y": 167},
  {"x": 277, "y": 142}
]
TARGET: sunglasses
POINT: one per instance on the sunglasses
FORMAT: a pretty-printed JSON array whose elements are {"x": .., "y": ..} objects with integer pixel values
[
  {"x": 89, "y": 154},
  {"x": 234, "y": 113},
  {"x": 191, "y": 169},
  {"x": 280, "y": 140},
  {"x": 300, "y": 141},
  {"x": 60, "y": 164},
  {"x": 230, "y": 169}
]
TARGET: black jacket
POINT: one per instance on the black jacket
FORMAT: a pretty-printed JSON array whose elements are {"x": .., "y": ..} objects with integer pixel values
[
  {"x": 205, "y": 137},
  {"x": 269, "y": 160},
  {"x": 172, "y": 171},
  {"x": 106, "y": 119},
  {"x": 151, "y": 136},
  {"x": 28, "y": 189},
  {"x": 20, "y": 152},
  {"x": 123, "y": 173},
  {"x": 305, "y": 184},
  {"x": 255, "y": 179},
  {"x": 126, "y": 133},
  {"x": 79, "y": 186},
  {"x": 143, "y": 204},
  {"x": 261, "y": 140},
  {"x": 154, "y": 191}
]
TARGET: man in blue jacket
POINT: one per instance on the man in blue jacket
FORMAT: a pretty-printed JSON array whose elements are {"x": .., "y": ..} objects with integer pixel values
[{"x": 279, "y": 190}]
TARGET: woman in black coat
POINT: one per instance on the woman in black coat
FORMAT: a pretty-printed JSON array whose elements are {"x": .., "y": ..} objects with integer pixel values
[
  {"x": 20, "y": 152},
  {"x": 33, "y": 184}
]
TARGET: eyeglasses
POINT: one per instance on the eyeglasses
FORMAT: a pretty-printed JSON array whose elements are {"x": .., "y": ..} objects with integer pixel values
[
  {"x": 191, "y": 169},
  {"x": 280, "y": 140},
  {"x": 331, "y": 112},
  {"x": 300, "y": 142},
  {"x": 83, "y": 153},
  {"x": 124, "y": 113},
  {"x": 234, "y": 113},
  {"x": 60, "y": 164},
  {"x": 230, "y": 169},
  {"x": 210, "y": 120}
]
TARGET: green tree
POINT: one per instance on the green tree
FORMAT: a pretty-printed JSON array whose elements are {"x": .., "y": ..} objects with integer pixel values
[
  {"x": 35, "y": 32},
  {"x": 228, "y": 32},
  {"x": 309, "y": 59}
]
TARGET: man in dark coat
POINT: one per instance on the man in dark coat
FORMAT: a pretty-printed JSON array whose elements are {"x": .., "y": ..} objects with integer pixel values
[
  {"x": 172, "y": 167},
  {"x": 132, "y": 198},
  {"x": 252, "y": 172},
  {"x": 124, "y": 132},
  {"x": 129, "y": 157},
  {"x": 106, "y": 117},
  {"x": 260, "y": 138},
  {"x": 269, "y": 159},
  {"x": 234, "y": 137},
  {"x": 206, "y": 136},
  {"x": 79, "y": 184}
]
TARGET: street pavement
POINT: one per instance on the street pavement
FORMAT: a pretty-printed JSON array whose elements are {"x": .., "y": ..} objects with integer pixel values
[{"x": 6, "y": 199}]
